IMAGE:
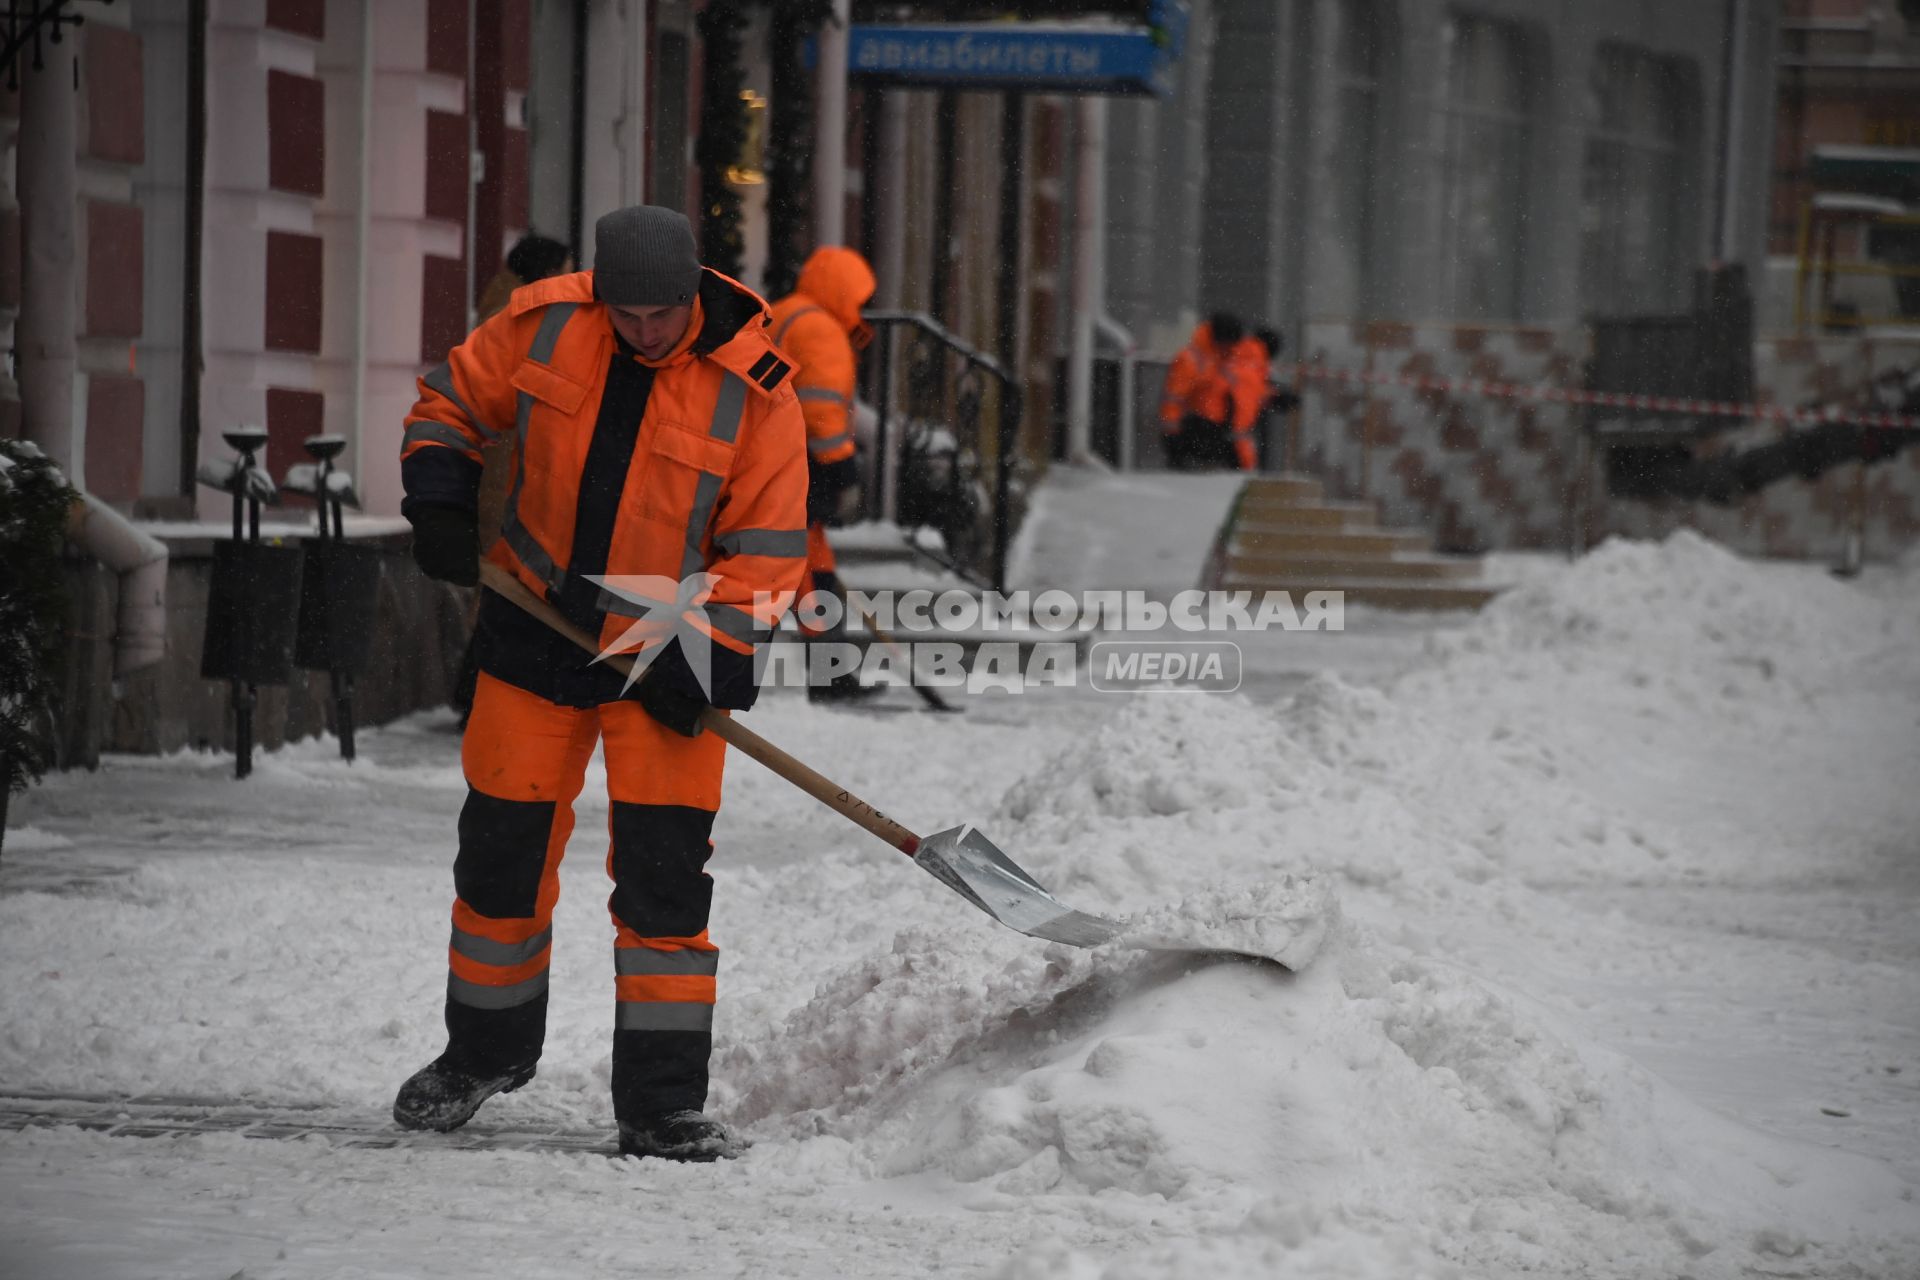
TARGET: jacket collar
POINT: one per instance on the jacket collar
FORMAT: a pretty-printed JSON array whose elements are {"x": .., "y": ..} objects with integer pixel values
[
  {"x": 731, "y": 327},
  {"x": 574, "y": 286},
  {"x": 735, "y": 335}
]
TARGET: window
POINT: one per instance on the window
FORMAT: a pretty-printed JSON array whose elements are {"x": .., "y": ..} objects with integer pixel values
[
  {"x": 1361, "y": 70},
  {"x": 1483, "y": 163},
  {"x": 1630, "y": 217}
]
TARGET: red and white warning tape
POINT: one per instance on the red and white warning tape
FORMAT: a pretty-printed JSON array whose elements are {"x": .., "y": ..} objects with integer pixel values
[{"x": 1543, "y": 394}]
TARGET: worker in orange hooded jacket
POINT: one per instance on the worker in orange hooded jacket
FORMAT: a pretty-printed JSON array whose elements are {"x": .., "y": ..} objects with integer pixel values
[
  {"x": 658, "y": 502},
  {"x": 1214, "y": 392},
  {"x": 819, "y": 327}
]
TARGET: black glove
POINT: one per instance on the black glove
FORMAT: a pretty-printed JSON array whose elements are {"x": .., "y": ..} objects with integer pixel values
[
  {"x": 670, "y": 694},
  {"x": 662, "y": 699},
  {"x": 446, "y": 544},
  {"x": 826, "y": 481}
]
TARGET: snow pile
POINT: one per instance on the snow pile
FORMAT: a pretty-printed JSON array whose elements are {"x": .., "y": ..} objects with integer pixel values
[
  {"x": 881, "y": 1025},
  {"x": 1175, "y": 794},
  {"x": 885, "y": 1022},
  {"x": 1525, "y": 746},
  {"x": 1159, "y": 757},
  {"x": 1688, "y": 616},
  {"x": 1287, "y": 921},
  {"x": 1399, "y": 1114},
  {"x": 1537, "y": 733},
  {"x": 1381, "y": 1114}
]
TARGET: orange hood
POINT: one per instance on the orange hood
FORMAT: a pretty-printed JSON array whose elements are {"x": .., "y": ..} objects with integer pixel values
[{"x": 840, "y": 281}]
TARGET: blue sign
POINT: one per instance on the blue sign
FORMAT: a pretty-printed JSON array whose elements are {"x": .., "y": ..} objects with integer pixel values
[{"x": 1034, "y": 57}]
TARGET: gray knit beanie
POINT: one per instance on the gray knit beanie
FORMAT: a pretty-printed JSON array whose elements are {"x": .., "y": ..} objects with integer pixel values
[{"x": 644, "y": 256}]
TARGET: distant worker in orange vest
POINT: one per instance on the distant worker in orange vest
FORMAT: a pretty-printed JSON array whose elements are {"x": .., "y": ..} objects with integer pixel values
[
  {"x": 1214, "y": 392},
  {"x": 818, "y": 326},
  {"x": 661, "y": 453}
]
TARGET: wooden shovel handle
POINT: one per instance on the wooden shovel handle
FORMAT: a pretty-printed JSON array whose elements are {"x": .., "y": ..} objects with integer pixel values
[
  {"x": 820, "y": 787},
  {"x": 719, "y": 723}
]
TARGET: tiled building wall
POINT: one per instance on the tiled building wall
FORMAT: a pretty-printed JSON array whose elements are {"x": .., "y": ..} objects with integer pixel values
[{"x": 1500, "y": 474}]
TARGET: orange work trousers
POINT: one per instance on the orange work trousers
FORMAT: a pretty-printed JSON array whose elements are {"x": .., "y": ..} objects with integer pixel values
[{"x": 525, "y": 760}]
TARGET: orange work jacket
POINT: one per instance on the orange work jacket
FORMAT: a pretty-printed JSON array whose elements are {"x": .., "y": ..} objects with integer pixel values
[
  {"x": 718, "y": 477},
  {"x": 1227, "y": 387},
  {"x": 815, "y": 325}
]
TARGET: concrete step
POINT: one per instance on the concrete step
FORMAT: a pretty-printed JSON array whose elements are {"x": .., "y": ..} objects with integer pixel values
[
  {"x": 1322, "y": 515},
  {"x": 1283, "y": 490},
  {"x": 1382, "y": 593},
  {"x": 1329, "y": 541},
  {"x": 1253, "y": 507},
  {"x": 1398, "y": 567}
]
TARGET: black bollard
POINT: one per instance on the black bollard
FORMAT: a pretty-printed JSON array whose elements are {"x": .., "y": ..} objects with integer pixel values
[
  {"x": 324, "y": 450},
  {"x": 340, "y": 588},
  {"x": 249, "y": 633},
  {"x": 246, "y": 695}
]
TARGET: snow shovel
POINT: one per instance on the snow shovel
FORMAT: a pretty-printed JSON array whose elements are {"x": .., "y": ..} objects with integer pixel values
[{"x": 961, "y": 858}]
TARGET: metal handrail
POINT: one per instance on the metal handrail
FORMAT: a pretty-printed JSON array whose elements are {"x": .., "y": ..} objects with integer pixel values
[
  {"x": 1007, "y": 434},
  {"x": 940, "y": 333}
]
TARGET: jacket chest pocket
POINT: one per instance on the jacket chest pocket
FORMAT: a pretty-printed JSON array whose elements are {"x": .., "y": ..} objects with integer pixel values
[
  {"x": 682, "y": 477},
  {"x": 546, "y": 409}
]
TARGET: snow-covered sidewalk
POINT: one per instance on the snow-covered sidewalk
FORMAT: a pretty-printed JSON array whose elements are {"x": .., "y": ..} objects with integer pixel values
[{"x": 1622, "y": 982}]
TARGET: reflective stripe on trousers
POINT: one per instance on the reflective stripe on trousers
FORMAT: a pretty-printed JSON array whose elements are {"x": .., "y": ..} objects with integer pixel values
[{"x": 664, "y": 988}]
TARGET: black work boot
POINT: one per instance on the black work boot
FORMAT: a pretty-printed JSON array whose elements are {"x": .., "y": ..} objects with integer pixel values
[
  {"x": 444, "y": 1094},
  {"x": 845, "y": 687},
  {"x": 680, "y": 1135}
]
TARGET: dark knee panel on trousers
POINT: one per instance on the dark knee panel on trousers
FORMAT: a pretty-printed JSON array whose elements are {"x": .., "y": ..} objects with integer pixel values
[
  {"x": 659, "y": 1071},
  {"x": 503, "y": 850},
  {"x": 496, "y": 1041},
  {"x": 660, "y": 851}
]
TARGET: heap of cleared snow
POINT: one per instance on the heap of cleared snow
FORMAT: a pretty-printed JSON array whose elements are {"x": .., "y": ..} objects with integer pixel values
[
  {"x": 1509, "y": 754},
  {"x": 1383, "y": 1111},
  {"x": 1390, "y": 1111},
  {"x": 1285, "y": 920},
  {"x": 1158, "y": 757},
  {"x": 1690, "y": 615}
]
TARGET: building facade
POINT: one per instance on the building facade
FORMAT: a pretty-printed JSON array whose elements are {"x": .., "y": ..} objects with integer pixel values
[
  {"x": 282, "y": 211},
  {"x": 1493, "y": 162},
  {"x": 287, "y": 209}
]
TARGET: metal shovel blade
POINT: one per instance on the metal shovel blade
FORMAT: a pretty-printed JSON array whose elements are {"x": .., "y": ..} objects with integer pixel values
[{"x": 973, "y": 867}]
